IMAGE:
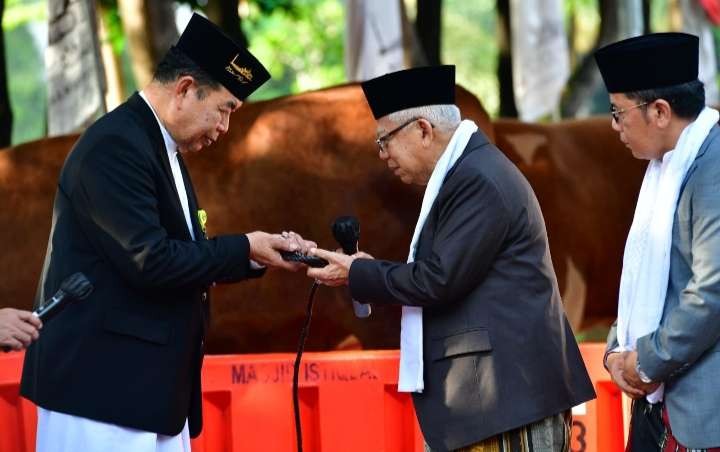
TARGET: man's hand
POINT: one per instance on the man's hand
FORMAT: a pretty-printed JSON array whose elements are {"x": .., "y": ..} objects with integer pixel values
[
  {"x": 303, "y": 246},
  {"x": 616, "y": 366},
  {"x": 18, "y": 328},
  {"x": 631, "y": 375},
  {"x": 336, "y": 272},
  {"x": 265, "y": 248}
]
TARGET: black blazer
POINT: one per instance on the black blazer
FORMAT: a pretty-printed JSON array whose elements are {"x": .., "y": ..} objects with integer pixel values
[
  {"x": 131, "y": 353},
  {"x": 497, "y": 349}
]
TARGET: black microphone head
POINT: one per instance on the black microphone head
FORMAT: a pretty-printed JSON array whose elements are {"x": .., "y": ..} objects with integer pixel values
[
  {"x": 346, "y": 230},
  {"x": 76, "y": 286}
]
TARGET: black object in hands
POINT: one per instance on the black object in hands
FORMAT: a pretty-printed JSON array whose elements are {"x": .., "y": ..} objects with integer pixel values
[
  {"x": 74, "y": 287},
  {"x": 346, "y": 231},
  {"x": 296, "y": 256}
]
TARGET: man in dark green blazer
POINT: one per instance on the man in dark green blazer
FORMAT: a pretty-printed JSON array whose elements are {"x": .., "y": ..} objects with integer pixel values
[
  {"x": 120, "y": 370},
  {"x": 485, "y": 346}
]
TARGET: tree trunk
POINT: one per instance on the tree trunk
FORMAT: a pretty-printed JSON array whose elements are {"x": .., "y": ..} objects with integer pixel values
[
  {"x": 427, "y": 24},
  {"x": 585, "y": 94},
  {"x": 675, "y": 15},
  {"x": 225, "y": 14},
  {"x": 114, "y": 80},
  {"x": 646, "y": 11},
  {"x": 414, "y": 54},
  {"x": 150, "y": 30},
  {"x": 572, "y": 34},
  {"x": 163, "y": 29},
  {"x": 504, "y": 68},
  {"x": 5, "y": 108}
]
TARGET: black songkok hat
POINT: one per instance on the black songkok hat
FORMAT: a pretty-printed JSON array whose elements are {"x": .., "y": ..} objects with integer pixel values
[
  {"x": 647, "y": 62},
  {"x": 231, "y": 64},
  {"x": 432, "y": 85}
]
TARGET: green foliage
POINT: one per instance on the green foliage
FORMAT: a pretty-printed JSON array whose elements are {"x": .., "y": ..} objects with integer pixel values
[
  {"x": 659, "y": 16},
  {"x": 585, "y": 17},
  {"x": 597, "y": 333},
  {"x": 26, "y": 80},
  {"x": 300, "y": 44},
  {"x": 20, "y": 12},
  {"x": 264, "y": 6},
  {"x": 111, "y": 17},
  {"x": 468, "y": 41},
  {"x": 116, "y": 38},
  {"x": 270, "y": 6},
  {"x": 26, "y": 68}
]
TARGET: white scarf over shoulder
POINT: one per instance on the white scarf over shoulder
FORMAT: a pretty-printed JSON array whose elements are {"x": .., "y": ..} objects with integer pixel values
[
  {"x": 411, "y": 325},
  {"x": 646, "y": 262}
]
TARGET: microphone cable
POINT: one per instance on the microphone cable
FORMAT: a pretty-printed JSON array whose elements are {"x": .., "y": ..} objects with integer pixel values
[{"x": 296, "y": 367}]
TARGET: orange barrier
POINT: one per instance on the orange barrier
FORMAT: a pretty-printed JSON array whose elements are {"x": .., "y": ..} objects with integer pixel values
[
  {"x": 348, "y": 402},
  {"x": 17, "y": 415},
  {"x": 598, "y": 425}
]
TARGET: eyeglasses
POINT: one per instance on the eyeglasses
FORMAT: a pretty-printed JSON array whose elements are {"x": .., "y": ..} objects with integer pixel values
[
  {"x": 382, "y": 141},
  {"x": 616, "y": 114}
]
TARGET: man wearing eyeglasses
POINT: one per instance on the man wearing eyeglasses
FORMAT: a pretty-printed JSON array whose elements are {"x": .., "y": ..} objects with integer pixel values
[
  {"x": 664, "y": 349},
  {"x": 485, "y": 347}
]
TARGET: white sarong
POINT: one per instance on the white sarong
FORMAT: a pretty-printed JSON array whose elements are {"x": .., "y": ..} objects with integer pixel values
[{"x": 60, "y": 432}]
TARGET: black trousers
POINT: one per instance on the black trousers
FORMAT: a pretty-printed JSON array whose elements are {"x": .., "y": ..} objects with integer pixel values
[{"x": 647, "y": 430}]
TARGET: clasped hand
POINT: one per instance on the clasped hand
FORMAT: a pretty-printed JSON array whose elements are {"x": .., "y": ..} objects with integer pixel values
[
  {"x": 265, "y": 248},
  {"x": 623, "y": 371},
  {"x": 338, "y": 269}
]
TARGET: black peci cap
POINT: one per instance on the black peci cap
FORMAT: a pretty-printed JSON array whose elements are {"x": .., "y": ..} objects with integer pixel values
[
  {"x": 432, "y": 85},
  {"x": 231, "y": 64},
  {"x": 647, "y": 62}
]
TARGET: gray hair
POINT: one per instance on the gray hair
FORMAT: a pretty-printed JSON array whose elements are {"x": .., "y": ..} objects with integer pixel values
[{"x": 445, "y": 117}]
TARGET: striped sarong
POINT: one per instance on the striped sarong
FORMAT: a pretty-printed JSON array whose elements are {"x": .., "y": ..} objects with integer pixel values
[
  {"x": 551, "y": 434},
  {"x": 650, "y": 430},
  {"x": 670, "y": 444}
]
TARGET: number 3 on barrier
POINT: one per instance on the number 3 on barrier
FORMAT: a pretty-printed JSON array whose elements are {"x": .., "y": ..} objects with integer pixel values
[{"x": 577, "y": 435}]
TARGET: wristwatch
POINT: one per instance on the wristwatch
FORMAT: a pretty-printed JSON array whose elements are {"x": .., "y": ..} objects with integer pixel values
[
  {"x": 606, "y": 356},
  {"x": 643, "y": 377}
]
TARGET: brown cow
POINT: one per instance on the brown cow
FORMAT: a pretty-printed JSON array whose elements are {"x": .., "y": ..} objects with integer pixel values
[
  {"x": 295, "y": 162},
  {"x": 587, "y": 184},
  {"x": 298, "y": 162}
]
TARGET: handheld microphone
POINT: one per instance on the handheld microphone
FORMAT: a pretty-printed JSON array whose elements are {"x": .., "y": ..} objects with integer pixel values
[
  {"x": 346, "y": 231},
  {"x": 74, "y": 287}
]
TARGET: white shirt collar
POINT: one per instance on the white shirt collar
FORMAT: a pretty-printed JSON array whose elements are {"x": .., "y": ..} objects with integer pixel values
[
  {"x": 170, "y": 144},
  {"x": 171, "y": 148}
]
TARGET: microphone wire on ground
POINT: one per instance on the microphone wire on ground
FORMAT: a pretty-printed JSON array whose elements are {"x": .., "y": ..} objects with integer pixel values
[{"x": 296, "y": 368}]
